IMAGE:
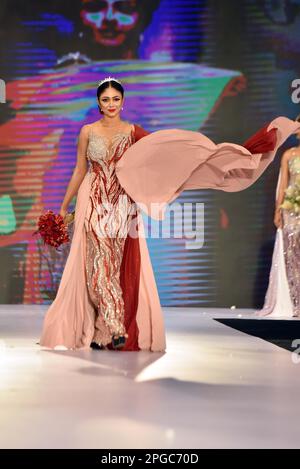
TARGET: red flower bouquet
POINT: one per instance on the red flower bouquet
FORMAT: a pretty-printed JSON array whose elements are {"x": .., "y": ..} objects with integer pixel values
[{"x": 53, "y": 229}]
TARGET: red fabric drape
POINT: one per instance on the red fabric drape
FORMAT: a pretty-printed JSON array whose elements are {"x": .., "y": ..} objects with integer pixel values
[
  {"x": 130, "y": 276},
  {"x": 262, "y": 141}
]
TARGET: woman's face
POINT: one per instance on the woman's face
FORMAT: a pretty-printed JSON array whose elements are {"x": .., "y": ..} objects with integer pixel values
[
  {"x": 111, "y": 101},
  {"x": 110, "y": 20}
]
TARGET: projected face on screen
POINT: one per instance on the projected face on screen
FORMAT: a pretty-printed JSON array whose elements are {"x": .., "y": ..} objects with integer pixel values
[
  {"x": 38, "y": 138},
  {"x": 110, "y": 20}
]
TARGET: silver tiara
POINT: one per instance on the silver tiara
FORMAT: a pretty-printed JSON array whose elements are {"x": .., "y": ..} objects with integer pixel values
[{"x": 109, "y": 79}]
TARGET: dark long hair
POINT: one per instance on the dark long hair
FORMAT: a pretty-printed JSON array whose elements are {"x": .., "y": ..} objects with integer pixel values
[{"x": 107, "y": 84}]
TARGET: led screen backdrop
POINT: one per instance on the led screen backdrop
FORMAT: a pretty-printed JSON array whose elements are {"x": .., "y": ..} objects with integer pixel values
[{"x": 219, "y": 67}]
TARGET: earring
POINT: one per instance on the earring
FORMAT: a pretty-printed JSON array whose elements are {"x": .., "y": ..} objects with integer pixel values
[{"x": 122, "y": 109}]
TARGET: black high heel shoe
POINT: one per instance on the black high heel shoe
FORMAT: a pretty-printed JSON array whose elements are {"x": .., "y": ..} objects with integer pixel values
[
  {"x": 118, "y": 342},
  {"x": 96, "y": 346}
]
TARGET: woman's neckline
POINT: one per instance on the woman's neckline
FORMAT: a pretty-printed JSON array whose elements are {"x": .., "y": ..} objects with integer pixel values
[
  {"x": 117, "y": 133},
  {"x": 98, "y": 134},
  {"x": 110, "y": 141}
]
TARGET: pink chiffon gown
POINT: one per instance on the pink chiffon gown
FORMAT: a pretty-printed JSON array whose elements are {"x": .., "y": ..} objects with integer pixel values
[{"x": 108, "y": 285}]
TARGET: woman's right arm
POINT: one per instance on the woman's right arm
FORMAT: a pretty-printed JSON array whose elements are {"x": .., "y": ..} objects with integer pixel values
[
  {"x": 79, "y": 170},
  {"x": 284, "y": 179}
]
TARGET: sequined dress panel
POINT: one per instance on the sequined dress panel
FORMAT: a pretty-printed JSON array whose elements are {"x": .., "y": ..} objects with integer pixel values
[
  {"x": 291, "y": 239},
  {"x": 109, "y": 214}
]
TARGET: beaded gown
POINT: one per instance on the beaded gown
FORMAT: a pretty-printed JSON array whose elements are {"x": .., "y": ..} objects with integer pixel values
[
  {"x": 283, "y": 294},
  {"x": 108, "y": 286},
  {"x": 107, "y": 221}
]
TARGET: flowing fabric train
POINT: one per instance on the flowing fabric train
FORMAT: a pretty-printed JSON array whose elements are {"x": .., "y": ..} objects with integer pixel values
[{"x": 156, "y": 169}]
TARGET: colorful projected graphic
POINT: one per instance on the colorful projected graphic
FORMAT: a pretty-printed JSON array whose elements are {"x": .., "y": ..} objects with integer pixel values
[{"x": 182, "y": 67}]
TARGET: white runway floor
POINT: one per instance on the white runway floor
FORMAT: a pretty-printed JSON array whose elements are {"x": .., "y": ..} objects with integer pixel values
[{"x": 215, "y": 387}]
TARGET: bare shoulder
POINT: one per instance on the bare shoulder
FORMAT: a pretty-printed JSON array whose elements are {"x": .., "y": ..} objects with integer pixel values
[
  {"x": 84, "y": 131},
  {"x": 287, "y": 155},
  {"x": 130, "y": 126}
]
